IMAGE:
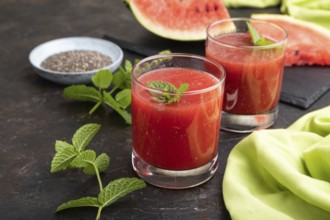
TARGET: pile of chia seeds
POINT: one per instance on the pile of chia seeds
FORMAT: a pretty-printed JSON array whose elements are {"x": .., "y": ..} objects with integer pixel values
[{"x": 76, "y": 61}]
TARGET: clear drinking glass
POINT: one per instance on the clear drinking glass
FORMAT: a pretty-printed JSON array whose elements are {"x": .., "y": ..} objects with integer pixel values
[
  {"x": 175, "y": 144},
  {"x": 253, "y": 73}
]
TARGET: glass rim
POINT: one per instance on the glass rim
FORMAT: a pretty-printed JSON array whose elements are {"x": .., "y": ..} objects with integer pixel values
[
  {"x": 220, "y": 82},
  {"x": 279, "y": 43}
]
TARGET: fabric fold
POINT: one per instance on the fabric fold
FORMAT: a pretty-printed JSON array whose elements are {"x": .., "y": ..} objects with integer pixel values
[
  {"x": 252, "y": 4},
  {"x": 315, "y": 11},
  {"x": 281, "y": 173},
  {"x": 317, "y": 159}
]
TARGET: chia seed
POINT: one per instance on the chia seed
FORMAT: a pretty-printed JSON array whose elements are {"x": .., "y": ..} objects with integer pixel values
[{"x": 75, "y": 61}]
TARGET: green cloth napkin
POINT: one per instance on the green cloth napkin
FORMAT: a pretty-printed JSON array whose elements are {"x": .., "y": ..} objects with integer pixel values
[
  {"x": 251, "y": 3},
  {"x": 316, "y": 11},
  {"x": 281, "y": 174}
]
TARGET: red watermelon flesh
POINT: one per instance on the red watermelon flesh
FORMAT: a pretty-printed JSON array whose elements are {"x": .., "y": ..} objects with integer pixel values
[
  {"x": 178, "y": 19},
  {"x": 308, "y": 43}
]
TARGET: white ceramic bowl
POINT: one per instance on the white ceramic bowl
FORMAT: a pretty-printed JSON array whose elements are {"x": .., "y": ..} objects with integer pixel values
[{"x": 43, "y": 51}]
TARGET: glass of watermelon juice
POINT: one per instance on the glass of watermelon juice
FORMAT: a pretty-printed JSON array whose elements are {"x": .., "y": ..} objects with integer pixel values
[
  {"x": 253, "y": 73},
  {"x": 175, "y": 132}
]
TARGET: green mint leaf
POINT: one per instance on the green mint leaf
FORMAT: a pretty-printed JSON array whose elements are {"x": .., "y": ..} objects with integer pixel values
[
  {"x": 82, "y": 202},
  {"x": 119, "y": 77},
  {"x": 162, "y": 86},
  {"x": 183, "y": 88},
  {"x": 136, "y": 61},
  {"x": 257, "y": 40},
  {"x": 60, "y": 145},
  {"x": 63, "y": 158},
  {"x": 102, "y": 79},
  {"x": 119, "y": 188},
  {"x": 253, "y": 32},
  {"x": 84, "y": 159},
  {"x": 168, "y": 92},
  {"x": 264, "y": 42},
  {"x": 101, "y": 162},
  {"x": 124, "y": 98},
  {"x": 122, "y": 78},
  {"x": 84, "y": 135},
  {"x": 82, "y": 93},
  {"x": 74, "y": 156},
  {"x": 165, "y": 52},
  {"x": 128, "y": 66},
  {"x": 114, "y": 105}
]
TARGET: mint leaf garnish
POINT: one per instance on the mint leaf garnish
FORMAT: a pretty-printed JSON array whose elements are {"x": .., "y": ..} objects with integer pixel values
[
  {"x": 83, "y": 159},
  {"x": 165, "y": 52},
  {"x": 119, "y": 188},
  {"x": 82, "y": 93},
  {"x": 110, "y": 101},
  {"x": 84, "y": 136},
  {"x": 75, "y": 156},
  {"x": 122, "y": 77},
  {"x": 168, "y": 92},
  {"x": 61, "y": 145},
  {"x": 257, "y": 40},
  {"x": 124, "y": 98},
  {"x": 103, "y": 81},
  {"x": 82, "y": 202},
  {"x": 105, "y": 85},
  {"x": 63, "y": 158},
  {"x": 101, "y": 162}
]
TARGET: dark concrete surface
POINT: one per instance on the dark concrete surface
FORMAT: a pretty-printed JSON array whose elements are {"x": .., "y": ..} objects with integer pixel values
[{"x": 33, "y": 114}]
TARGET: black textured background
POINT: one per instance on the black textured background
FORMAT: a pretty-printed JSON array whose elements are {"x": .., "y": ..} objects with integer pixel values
[{"x": 33, "y": 114}]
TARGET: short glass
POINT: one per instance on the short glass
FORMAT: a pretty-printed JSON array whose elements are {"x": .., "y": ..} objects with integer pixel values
[
  {"x": 253, "y": 73},
  {"x": 175, "y": 145}
]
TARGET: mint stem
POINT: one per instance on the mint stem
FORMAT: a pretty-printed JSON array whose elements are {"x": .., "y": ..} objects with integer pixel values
[
  {"x": 95, "y": 107},
  {"x": 99, "y": 213},
  {"x": 98, "y": 177},
  {"x": 101, "y": 189},
  {"x": 113, "y": 89}
]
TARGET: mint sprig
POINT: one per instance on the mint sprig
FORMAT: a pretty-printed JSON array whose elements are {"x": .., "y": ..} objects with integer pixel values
[
  {"x": 168, "y": 92},
  {"x": 257, "y": 40},
  {"x": 75, "y": 156},
  {"x": 105, "y": 85}
]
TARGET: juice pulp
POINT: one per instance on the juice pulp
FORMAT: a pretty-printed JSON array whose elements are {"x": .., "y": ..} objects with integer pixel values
[
  {"x": 182, "y": 135},
  {"x": 253, "y": 76}
]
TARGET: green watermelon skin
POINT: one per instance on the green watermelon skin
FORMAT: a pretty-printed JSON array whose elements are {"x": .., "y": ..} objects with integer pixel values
[
  {"x": 184, "y": 20},
  {"x": 308, "y": 43}
]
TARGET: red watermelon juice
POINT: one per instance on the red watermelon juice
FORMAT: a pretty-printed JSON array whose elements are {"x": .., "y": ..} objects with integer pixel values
[
  {"x": 254, "y": 69},
  {"x": 254, "y": 77},
  {"x": 182, "y": 135}
]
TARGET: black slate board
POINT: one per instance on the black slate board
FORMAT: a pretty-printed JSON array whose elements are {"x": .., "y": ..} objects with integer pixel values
[{"x": 302, "y": 86}]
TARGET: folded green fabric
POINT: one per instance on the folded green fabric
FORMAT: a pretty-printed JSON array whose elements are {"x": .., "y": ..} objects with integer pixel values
[
  {"x": 281, "y": 173},
  {"x": 316, "y": 11},
  {"x": 251, "y": 3}
]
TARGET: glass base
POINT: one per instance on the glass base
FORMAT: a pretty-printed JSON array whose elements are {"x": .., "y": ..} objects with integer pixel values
[
  {"x": 173, "y": 179},
  {"x": 248, "y": 123}
]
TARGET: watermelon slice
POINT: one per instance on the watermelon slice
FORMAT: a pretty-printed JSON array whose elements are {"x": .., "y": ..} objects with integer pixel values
[
  {"x": 308, "y": 43},
  {"x": 184, "y": 20}
]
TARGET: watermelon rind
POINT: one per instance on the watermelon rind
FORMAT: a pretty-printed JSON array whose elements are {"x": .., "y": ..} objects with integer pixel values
[
  {"x": 290, "y": 19},
  {"x": 308, "y": 43},
  {"x": 166, "y": 33},
  {"x": 193, "y": 34}
]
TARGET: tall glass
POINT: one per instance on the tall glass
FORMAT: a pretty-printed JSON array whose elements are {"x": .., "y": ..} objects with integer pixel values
[
  {"x": 253, "y": 73},
  {"x": 175, "y": 143}
]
